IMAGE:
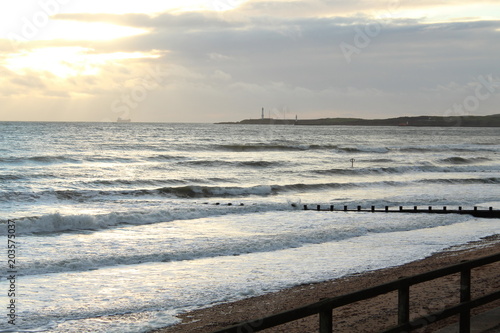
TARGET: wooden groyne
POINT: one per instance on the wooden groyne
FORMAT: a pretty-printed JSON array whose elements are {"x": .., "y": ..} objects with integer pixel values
[{"x": 487, "y": 213}]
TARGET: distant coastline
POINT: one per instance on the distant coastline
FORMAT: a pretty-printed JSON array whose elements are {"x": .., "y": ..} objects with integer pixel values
[{"x": 421, "y": 121}]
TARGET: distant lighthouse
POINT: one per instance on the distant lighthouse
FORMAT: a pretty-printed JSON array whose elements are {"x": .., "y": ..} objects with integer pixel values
[{"x": 262, "y": 116}]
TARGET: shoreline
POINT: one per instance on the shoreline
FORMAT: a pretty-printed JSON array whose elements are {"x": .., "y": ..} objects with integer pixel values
[
  {"x": 367, "y": 316},
  {"x": 412, "y": 121}
]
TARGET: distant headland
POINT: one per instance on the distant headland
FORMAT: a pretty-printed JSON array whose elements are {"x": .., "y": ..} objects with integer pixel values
[{"x": 427, "y": 121}]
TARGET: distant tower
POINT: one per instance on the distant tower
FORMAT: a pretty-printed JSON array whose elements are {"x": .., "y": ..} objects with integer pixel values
[{"x": 262, "y": 117}]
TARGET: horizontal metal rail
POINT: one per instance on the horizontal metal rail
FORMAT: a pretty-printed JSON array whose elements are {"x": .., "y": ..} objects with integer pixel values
[{"x": 325, "y": 307}]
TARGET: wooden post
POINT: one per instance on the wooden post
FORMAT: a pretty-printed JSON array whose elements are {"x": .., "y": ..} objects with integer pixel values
[
  {"x": 386, "y": 209},
  {"x": 305, "y": 207},
  {"x": 459, "y": 207},
  {"x": 331, "y": 208},
  {"x": 345, "y": 208},
  {"x": 430, "y": 208},
  {"x": 444, "y": 208},
  {"x": 415, "y": 208},
  {"x": 465, "y": 297},
  {"x": 318, "y": 207},
  {"x": 373, "y": 208},
  {"x": 403, "y": 304},
  {"x": 400, "y": 208},
  {"x": 359, "y": 208},
  {"x": 325, "y": 321},
  {"x": 475, "y": 208}
]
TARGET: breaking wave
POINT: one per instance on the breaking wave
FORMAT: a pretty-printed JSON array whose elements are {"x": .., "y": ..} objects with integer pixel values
[
  {"x": 233, "y": 246},
  {"x": 463, "y": 160},
  {"x": 406, "y": 169},
  {"x": 58, "y": 223},
  {"x": 219, "y": 163},
  {"x": 492, "y": 180}
]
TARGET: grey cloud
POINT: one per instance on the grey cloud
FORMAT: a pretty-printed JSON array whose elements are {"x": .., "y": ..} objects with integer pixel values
[
  {"x": 405, "y": 55},
  {"x": 238, "y": 60}
]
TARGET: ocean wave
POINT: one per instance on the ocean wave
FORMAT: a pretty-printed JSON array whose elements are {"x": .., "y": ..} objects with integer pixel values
[
  {"x": 27, "y": 176},
  {"x": 195, "y": 191},
  {"x": 165, "y": 157},
  {"x": 45, "y": 159},
  {"x": 59, "y": 223},
  {"x": 376, "y": 150},
  {"x": 262, "y": 147},
  {"x": 11, "y": 177},
  {"x": 236, "y": 245},
  {"x": 51, "y": 159},
  {"x": 146, "y": 182},
  {"x": 444, "y": 148},
  {"x": 359, "y": 171},
  {"x": 187, "y": 192},
  {"x": 259, "y": 190},
  {"x": 463, "y": 160},
  {"x": 109, "y": 159},
  {"x": 379, "y": 160},
  {"x": 303, "y": 147},
  {"x": 219, "y": 163},
  {"x": 407, "y": 169},
  {"x": 460, "y": 181}
]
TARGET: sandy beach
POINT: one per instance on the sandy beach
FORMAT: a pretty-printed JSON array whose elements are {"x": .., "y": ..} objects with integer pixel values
[{"x": 367, "y": 316}]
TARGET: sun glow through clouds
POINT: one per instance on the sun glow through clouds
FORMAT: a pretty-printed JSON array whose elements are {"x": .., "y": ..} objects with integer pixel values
[{"x": 65, "y": 62}]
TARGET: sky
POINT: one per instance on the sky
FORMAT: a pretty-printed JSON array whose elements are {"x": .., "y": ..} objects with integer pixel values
[{"x": 225, "y": 60}]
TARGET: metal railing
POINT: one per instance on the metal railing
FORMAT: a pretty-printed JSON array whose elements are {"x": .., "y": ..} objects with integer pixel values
[{"x": 325, "y": 307}]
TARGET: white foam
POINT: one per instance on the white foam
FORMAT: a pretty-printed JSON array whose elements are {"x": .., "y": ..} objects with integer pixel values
[{"x": 207, "y": 237}]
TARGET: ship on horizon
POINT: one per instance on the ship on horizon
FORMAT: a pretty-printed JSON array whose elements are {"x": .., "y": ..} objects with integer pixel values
[{"x": 123, "y": 120}]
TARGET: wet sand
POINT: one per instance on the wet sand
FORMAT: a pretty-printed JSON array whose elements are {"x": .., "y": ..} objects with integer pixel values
[{"x": 366, "y": 316}]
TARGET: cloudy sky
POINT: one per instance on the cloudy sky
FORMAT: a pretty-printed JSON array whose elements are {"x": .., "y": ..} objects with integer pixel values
[{"x": 217, "y": 60}]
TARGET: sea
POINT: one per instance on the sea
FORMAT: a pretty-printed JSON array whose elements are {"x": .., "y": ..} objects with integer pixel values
[{"x": 120, "y": 227}]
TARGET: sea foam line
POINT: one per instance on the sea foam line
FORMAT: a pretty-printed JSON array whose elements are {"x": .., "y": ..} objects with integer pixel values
[{"x": 145, "y": 245}]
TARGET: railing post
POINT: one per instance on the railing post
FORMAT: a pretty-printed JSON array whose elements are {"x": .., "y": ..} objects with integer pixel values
[
  {"x": 465, "y": 297},
  {"x": 325, "y": 321},
  {"x": 403, "y": 304}
]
